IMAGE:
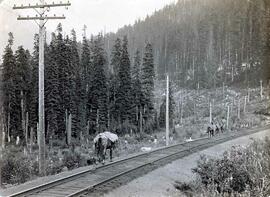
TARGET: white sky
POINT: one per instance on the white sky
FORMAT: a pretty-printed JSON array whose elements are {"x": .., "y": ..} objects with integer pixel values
[{"x": 95, "y": 14}]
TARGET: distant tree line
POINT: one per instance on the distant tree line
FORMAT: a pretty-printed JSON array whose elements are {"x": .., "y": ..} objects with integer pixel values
[
  {"x": 115, "y": 94},
  {"x": 206, "y": 42}
]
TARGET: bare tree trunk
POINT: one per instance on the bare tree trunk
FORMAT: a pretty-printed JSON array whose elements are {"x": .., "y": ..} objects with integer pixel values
[
  {"x": 23, "y": 112},
  {"x": 26, "y": 128},
  {"x": 31, "y": 139},
  {"x": 141, "y": 121},
  {"x": 8, "y": 125},
  {"x": 69, "y": 129},
  {"x": 66, "y": 130}
]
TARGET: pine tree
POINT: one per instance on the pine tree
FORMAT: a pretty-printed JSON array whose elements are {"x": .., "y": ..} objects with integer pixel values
[
  {"x": 114, "y": 80},
  {"x": 9, "y": 94},
  {"x": 85, "y": 70},
  {"x": 147, "y": 80},
  {"x": 22, "y": 88},
  {"x": 78, "y": 108},
  {"x": 123, "y": 95},
  {"x": 33, "y": 97},
  {"x": 116, "y": 56},
  {"x": 52, "y": 95},
  {"x": 136, "y": 86},
  {"x": 98, "y": 88}
]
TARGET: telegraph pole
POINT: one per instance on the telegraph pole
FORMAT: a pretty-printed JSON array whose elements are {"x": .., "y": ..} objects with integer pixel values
[
  {"x": 167, "y": 113},
  {"x": 41, "y": 10}
]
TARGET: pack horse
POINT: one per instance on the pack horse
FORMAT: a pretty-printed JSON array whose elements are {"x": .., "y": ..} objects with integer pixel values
[{"x": 103, "y": 142}]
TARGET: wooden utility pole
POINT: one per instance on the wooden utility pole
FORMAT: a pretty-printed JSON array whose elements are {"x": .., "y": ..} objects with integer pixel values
[
  {"x": 239, "y": 109},
  {"x": 167, "y": 113},
  {"x": 223, "y": 89},
  {"x": 245, "y": 104},
  {"x": 228, "y": 116},
  {"x": 210, "y": 112},
  {"x": 43, "y": 18},
  {"x": 261, "y": 83},
  {"x": 248, "y": 99}
]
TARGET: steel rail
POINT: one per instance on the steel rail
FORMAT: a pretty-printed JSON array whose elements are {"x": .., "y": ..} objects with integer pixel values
[{"x": 54, "y": 183}]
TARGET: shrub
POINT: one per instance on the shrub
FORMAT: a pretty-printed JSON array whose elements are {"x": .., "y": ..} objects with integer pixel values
[
  {"x": 15, "y": 168},
  {"x": 239, "y": 171},
  {"x": 228, "y": 173},
  {"x": 73, "y": 160}
]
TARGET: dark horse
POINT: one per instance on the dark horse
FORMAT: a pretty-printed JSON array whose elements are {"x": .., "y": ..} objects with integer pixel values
[
  {"x": 103, "y": 142},
  {"x": 210, "y": 130}
]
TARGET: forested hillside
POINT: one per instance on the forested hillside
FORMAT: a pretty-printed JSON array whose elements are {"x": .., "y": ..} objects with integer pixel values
[
  {"x": 82, "y": 96},
  {"x": 107, "y": 81},
  {"x": 206, "y": 41}
]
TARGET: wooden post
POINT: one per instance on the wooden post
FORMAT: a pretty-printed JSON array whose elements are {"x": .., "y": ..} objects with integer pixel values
[
  {"x": 239, "y": 109},
  {"x": 181, "y": 115},
  {"x": 167, "y": 113},
  {"x": 198, "y": 88},
  {"x": 248, "y": 95},
  {"x": 223, "y": 90},
  {"x": 228, "y": 116},
  {"x": 261, "y": 93},
  {"x": 245, "y": 104},
  {"x": 210, "y": 113}
]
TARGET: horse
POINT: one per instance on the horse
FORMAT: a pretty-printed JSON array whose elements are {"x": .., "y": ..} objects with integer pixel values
[
  {"x": 210, "y": 131},
  {"x": 103, "y": 142}
]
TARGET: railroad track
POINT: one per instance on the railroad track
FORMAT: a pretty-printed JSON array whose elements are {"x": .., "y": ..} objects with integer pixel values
[{"x": 95, "y": 182}]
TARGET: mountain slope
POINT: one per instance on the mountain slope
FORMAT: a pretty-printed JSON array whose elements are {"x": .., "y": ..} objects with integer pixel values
[{"x": 204, "y": 41}]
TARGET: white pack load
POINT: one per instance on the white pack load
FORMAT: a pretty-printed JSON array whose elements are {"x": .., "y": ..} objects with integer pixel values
[{"x": 111, "y": 136}]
